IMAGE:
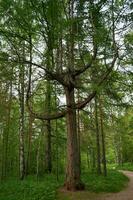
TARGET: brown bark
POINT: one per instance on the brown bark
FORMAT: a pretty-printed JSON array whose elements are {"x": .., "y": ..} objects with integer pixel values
[
  {"x": 30, "y": 132},
  {"x": 6, "y": 131},
  {"x": 97, "y": 140},
  {"x": 48, "y": 161},
  {"x": 21, "y": 138},
  {"x": 48, "y": 153},
  {"x": 73, "y": 180},
  {"x": 21, "y": 121},
  {"x": 103, "y": 140},
  {"x": 78, "y": 133}
]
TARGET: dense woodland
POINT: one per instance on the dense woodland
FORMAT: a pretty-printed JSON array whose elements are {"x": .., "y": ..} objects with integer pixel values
[{"x": 66, "y": 88}]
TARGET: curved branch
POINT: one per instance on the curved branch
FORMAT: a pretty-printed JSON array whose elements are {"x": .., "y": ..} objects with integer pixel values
[
  {"x": 87, "y": 66},
  {"x": 82, "y": 104},
  {"x": 60, "y": 78},
  {"x": 46, "y": 116},
  {"x": 54, "y": 76}
]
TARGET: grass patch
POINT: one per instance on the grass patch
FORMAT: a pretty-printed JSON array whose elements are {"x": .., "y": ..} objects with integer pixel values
[
  {"x": 126, "y": 166},
  {"x": 96, "y": 186},
  {"x": 114, "y": 182},
  {"x": 46, "y": 187},
  {"x": 30, "y": 189}
]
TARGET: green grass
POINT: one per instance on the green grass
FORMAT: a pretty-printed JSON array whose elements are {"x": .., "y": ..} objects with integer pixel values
[
  {"x": 126, "y": 166},
  {"x": 114, "y": 182},
  {"x": 46, "y": 187},
  {"x": 29, "y": 189},
  {"x": 96, "y": 185}
]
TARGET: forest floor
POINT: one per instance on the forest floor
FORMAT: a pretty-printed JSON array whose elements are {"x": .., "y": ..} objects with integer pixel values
[
  {"x": 48, "y": 188},
  {"x": 126, "y": 194}
]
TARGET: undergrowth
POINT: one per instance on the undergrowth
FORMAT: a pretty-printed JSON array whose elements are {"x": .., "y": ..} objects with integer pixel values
[{"x": 45, "y": 188}]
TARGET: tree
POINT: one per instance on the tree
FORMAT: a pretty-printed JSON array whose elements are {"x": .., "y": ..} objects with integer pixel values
[
  {"x": 97, "y": 138},
  {"x": 83, "y": 35}
]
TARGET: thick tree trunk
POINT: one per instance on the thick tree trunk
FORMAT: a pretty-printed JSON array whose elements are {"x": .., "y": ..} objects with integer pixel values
[
  {"x": 48, "y": 153},
  {"x": 73, "y": 181}
]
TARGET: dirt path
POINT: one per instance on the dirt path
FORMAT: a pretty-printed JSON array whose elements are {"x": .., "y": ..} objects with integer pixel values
[{"x": 126, "y": 194}]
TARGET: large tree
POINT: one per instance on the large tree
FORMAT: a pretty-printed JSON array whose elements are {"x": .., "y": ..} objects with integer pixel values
[{"x": 73, "y": 43}]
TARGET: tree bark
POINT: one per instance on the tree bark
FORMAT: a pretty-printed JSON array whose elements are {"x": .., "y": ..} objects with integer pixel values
[
  {"x": 21, "y": 146},
  {"x": 78, "y": 133},
  {"x": 48, "y": 162},
  {"x": 103, "y": 140},
  {"x": 73, "y": 180},
  {"x": 97, "y": 140},
  {"x": 30, "y": 132},
  {"x": 48, "y": 153},
  {"x": 21, "y": 122}
]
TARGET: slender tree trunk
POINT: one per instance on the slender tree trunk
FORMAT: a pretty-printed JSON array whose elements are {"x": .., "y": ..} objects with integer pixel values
[
  {"x": 73, "y": 181},
  {"x": 103, "y": 140},
  {"x": 21, "y": 124},
  {"x": 57, "y": 139},
  {"x": 8, "y": 130},
  {"x": 88, "y": 159},
  {"x": 3, "y": 156},
  {"x": 78, "y": 131},
  {"x": 93, "y": 159},
  {"x": 31, "y": 119},
  {"x": 21, "y": 147},
  {"x": 30, "y": 132},
  {"x": 57, "y": 152},
  {"x": 48, "y": 147},
  {"x": 97, "y": 139},
  {"x": 38, "y": 157}
]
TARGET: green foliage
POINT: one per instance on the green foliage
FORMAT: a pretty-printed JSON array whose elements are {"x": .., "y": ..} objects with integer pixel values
[
  {"x": 126, "y": 166},
  {"x": 45, "y": 188},
  {"x": 56, "y": 32},
  {"x": 114, "y": 182},
  {"x": 29, "y": 189}
]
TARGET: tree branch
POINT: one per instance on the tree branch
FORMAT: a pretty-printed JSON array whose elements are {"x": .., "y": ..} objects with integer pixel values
[
  {"x": 82, "y": 104},
  {"x": 87, "y": 66}
]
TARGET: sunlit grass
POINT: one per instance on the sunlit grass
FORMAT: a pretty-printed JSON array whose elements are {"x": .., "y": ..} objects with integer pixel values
[{"x": 114, "y": 182}]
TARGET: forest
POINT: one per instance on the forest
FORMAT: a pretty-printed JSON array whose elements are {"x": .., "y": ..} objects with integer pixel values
[{"x": 66, "y": 99}]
